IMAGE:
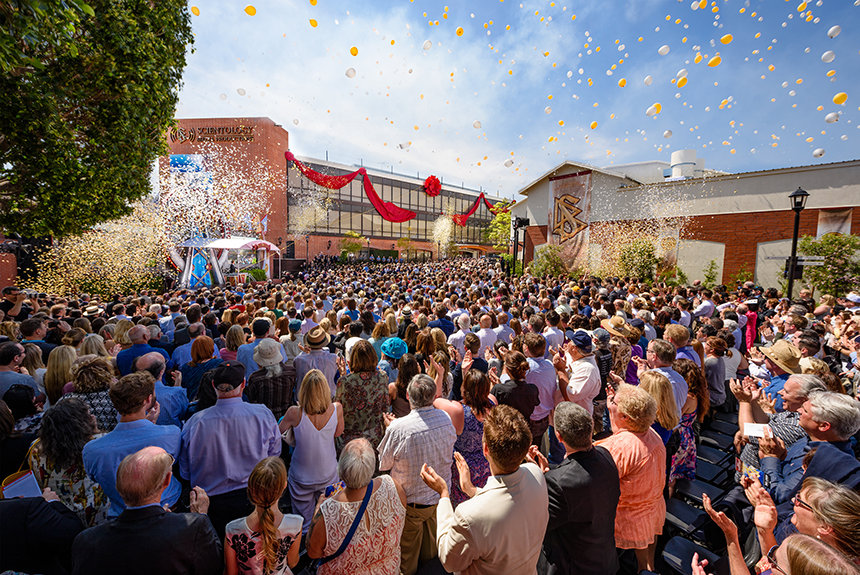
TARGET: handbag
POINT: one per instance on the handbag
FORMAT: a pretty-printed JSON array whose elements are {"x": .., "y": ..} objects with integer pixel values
[
  {"x": 315, "y": 564},
  {"x": 23, "y": 470}
]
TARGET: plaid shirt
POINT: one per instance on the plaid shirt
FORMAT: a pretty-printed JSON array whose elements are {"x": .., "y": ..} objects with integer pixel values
[
  {"x": 276, "y": 392},
  {"x": 425, "y": 435}
]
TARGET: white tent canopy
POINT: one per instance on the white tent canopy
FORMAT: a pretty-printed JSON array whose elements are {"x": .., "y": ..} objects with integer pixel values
[{"x": 235, "y": 243}]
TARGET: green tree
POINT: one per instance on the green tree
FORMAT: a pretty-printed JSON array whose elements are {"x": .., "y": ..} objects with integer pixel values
[
  {"x": 547, "y": 262},
  {"x": 710, "y": 273},
  {"x": 404, "y": 243},
  {"x": 78, "y": 133},
  {"x": 638, "y": 259},
  {"x": 742, "y": 275},
  {"x": 352, "y": 242},
  {"x": 31, "y": 30},
  {"x": 841, "y": 270},
  {"x": 498, "y": 233}
]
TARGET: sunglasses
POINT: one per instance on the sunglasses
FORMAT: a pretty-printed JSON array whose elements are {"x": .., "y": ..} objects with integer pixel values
[{"x": 771, "y": 557}]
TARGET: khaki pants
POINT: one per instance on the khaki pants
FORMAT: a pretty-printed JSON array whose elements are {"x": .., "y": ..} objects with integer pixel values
[{"x": 418, "y": 541}]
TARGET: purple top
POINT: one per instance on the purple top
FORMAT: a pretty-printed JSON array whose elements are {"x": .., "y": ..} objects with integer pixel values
[{"x": 632, "y": 376}]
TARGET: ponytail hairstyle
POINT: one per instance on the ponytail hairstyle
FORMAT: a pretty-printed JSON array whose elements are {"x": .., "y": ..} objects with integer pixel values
[{"x": 265, "y": 486}]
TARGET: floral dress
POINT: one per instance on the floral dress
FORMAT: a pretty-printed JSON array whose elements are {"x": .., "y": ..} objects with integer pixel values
[
  {"x": 684, "y": 460},
  {"x": 72, "y": 485},
  {"x": 364, "y": 397},
  {"x": 469, "y": 446},
  {"x": 246, "y": 543}
]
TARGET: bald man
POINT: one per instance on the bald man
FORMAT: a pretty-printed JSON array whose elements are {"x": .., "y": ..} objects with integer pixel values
[
  {"x": 139, "y": 336},
  {"x": 173, "y": 400},
  {"x": 146, "y": 538}
]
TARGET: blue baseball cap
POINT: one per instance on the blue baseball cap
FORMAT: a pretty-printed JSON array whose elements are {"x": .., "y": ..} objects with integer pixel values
[{"x": 582, "y": 340}]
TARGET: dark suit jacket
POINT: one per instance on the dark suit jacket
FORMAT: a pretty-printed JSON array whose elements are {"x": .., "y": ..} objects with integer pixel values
[
  {"x": 580, "y": 536},
  {"x": 147, "y": 541},
  {"x": 181, "y": 337},
  {"x": 478, "y": 363},
  {"x": 36, "y": 536}
]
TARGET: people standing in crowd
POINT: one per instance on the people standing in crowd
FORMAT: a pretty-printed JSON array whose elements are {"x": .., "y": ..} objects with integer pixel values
[
  {"x": 314, "y": 424},
  {"x": 92, "y": 378},
  {"x": 363, "y": 393},
  {"x": 134, "y": 398},
  {"x": 146, "y": 538},
  {"x": 222, "y": 444},
  {"x": 274, "y": 383},
  {"x": 202, "y": 359},
  {"x": 317, "y": 357},
  {"x": 267, "y": 540},
  {"x": 424, "y": 436},
  {"x": 499, "y": 529}
]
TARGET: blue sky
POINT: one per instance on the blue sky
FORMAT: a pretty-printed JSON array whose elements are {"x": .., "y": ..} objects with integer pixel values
[{"x": 518, "y": 91}]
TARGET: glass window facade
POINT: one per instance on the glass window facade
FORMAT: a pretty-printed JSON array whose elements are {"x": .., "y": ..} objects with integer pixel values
[{"x": 348, "y": 209}]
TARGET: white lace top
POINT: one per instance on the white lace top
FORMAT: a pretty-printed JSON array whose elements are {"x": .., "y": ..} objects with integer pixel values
[{"x": 375, "y": 546}]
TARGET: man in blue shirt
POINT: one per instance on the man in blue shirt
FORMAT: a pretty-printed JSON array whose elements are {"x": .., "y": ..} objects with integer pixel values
[
  {"x": 134, "y": 398},
  {"x": 222, "y": 444},
  {"x": 11, "y": 356},
  {"x": 182, "y": 354},
  {"x": 261, "y": 329},
  {"x": 173, "y": 401},
  {"x": 781, "y": 359},
  {"x": 139, "y": 337},
  {"x": 33, "y": 331},
  {"x": 442, "y": 321}
]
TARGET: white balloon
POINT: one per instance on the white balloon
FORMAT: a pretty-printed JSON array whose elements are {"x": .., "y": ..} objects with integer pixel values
[
  {"x": 694, "y": 5},
  {"x": 296, "y": 121},
  {"x": 476, "y": 124},
  {"x": 785, "y": 84},
  {"x": 648, "y": 80},
  {"x": 547, "y": 110},
  {"x": 682, "y": 73},
  {"x": 834, "y": 31},
  {"x": 569, "y": 73},
  {"x": 651, "y": 111},
  {"x": 667, "y": 134},
  {"x": 828, "y": 57},
  {"x": 240, "y": 91},
  {"x": 509, "y": 163},
  {"x": 663, "y": 50},
  {"x": 350, "y": 72},
  {"x": 831, "y": 117},
  {"x": 792, "y": 93},
  {"x": 818, "y": 152},
  {"x": 427, "y": 44}
]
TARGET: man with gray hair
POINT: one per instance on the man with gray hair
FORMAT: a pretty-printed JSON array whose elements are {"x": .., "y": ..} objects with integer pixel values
[
  {"x": 458, "y": 338},
  {"x": 182, "y": 354},
  {"x": 783, "y": 425},
  {"x": 829, "y": 419},
  {"x": 139, "y": 337},
  {"x": 425, "y": 435},
  {"x": 583, "y": 495},
  {"x": 146, "y": 538}
]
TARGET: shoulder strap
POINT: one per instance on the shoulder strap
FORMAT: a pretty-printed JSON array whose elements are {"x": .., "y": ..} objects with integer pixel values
[{"x": 354, "y": 526}]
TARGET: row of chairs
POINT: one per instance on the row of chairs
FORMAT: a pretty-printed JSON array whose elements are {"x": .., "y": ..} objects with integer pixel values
[{"x": 688, "y": 528}]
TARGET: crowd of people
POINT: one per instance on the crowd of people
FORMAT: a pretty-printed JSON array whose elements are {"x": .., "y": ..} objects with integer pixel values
[{"x": 387, "y": 417}]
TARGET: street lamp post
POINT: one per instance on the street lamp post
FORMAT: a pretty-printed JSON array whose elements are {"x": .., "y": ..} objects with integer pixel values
[
  {"x": 308, "y": 247},
  {"x": 798, "y": 201}
]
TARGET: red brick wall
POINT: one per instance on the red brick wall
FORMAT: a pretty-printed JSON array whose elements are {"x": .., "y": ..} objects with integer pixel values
[
  {"x": 535, "y": 236},
  {"x": 8, "y": 269}
]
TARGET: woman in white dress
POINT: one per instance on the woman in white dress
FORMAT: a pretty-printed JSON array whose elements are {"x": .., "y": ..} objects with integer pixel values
[
  {"x": 314, "y": 423},
  {"x": 267, "y": 541},
  {"x": 375, "y": 546}
]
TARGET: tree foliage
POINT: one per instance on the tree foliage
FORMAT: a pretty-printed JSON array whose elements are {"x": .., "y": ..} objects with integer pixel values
[
  {"x": 352, "y": 242},
  {"x": 547, "y": 262},
  {"x": 404, "y": 244},
  {"x": 498, "y": 233},
  {"x": 841, "y": 270},
  {"x": 79, "y": 132},
  {"x": 710, "y": 273},
  {"x": 638, "y": 259},
  {"x": 30, "y": 31}
]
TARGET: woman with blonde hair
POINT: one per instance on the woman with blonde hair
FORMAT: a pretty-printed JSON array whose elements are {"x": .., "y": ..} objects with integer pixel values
[
  {"x": 9, "y": 329},
  {"x": 74, "y": 337},
  {"x": 120, "y": 334},
  {"x": 640, "y": 457},
  {"x": 379, "y": 334},
  {"x": 227, "y": 316},
  {"x": 94, "y": 345},
  {"x": 34, "y": 365},
  {"x": 266, "y": 541},
  {"x": 658, "y": 386},
  {"x": 312, "y": 426},
  {"x": 234, "y": 338},
  {"x": 59, "y": 371},
  {"x": 92, "y": 377}
]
